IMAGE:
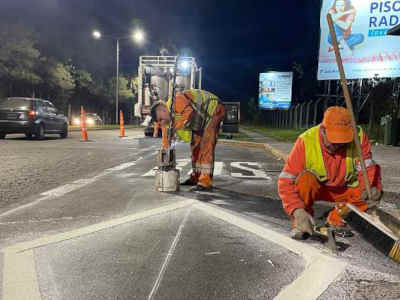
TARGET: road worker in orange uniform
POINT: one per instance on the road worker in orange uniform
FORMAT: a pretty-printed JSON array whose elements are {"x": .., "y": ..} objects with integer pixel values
[
  {"x": 324, "y": 166},
  {"x": 200, "y": 114}
]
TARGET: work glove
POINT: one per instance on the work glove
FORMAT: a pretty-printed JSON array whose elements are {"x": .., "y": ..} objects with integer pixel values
[
  {"x": 304, "y": 222},
  {"x": 376, "y": 195}
]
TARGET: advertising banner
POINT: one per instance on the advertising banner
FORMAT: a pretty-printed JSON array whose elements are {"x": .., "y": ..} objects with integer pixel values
[
  {"x": 275, "y": 90},
  {"x": 361, "y": 27}
]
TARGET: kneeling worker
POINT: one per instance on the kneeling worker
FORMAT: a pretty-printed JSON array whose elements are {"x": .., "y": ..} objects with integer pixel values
[
  {"x": 201, "y": 113},
  {"x": 324, "y": 166}
]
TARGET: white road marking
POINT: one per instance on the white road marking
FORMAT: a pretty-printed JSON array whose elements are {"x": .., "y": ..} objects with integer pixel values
[
  {"x": 77, "y": 184},
  {"x": 213, "y": 253},
  {"x": 180, "y": 164},
  {"x": 19, "y": 268},
  {"x": 257, "y": 173},
  {"x": 151, "y": 173},
  {"x": 170, "y": 253},
  {"x": 19, "y": 274},
  {"x": 321, "y": 270},
  {"x": 20, "y": 247},
  {"x": 270, "y": 261},
  {"x": 19, "y": 277},
  {"x": 218, "y": 168}
]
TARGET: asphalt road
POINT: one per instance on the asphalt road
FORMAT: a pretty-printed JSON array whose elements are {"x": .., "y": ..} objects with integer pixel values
[{"x": 87, "y": 220}]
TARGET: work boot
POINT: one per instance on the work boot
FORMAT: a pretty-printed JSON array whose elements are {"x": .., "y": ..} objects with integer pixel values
[
  {"x": 188, "y": 182},
  {"x": 200, "y": 188},
  {"x": 297, "y": 234},
  {"x": 192, "y": 180},
  {"x": 205, "y": 180}
]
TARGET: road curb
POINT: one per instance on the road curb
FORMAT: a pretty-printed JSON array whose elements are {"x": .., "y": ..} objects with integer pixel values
[
  {"x": 279, "y": 154},
  {"x": 267, "y": 147}
]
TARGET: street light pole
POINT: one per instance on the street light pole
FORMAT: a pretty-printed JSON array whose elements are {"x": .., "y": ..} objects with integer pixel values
[
  {"x": 137, "y": 36},
  {"x": 117, "y": 86}
]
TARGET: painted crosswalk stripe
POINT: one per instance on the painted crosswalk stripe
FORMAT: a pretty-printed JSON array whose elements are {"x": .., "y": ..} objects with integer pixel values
[
  {"x": 218, "y": 168},
  {"x": 180, "y": 165},
  {"x": 254, "y": 168}
]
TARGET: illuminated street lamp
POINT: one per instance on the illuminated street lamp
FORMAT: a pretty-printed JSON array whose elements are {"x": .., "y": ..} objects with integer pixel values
[
  {"x": 138, "y": 36},
  {"x": 97, "y": 34},
  {"x": 184, "y": 65}
]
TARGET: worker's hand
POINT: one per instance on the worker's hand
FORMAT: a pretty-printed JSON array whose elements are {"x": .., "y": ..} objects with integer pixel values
[
  {"x": 376, "y": 195},
  {"x": 304, "y": 222}
]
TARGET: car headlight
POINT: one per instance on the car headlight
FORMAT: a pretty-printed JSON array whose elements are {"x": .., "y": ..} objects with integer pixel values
[
  {"x": 76, "y": 121},
  {"x": 90, "y": 121}
]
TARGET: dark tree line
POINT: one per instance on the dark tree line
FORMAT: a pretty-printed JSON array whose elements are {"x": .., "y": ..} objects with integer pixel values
[{"x": 26, "y": 72}]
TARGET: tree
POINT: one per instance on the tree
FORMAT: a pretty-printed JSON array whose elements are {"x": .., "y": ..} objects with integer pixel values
[
  {"x": 125, "y": 93},
  {"x": 61, "y": 78},
  {"x": 18, "y": 58}
]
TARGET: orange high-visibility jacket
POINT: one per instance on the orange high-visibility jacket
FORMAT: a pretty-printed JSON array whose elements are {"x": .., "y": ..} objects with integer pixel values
[
  {"x": 183, "y": 107},
  {"x": 335, "y": 165}
]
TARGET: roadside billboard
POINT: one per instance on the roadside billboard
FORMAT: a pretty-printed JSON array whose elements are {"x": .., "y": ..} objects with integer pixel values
[
  {"x": 361, "y": 27},
  {"x": 275, "y": 90}
]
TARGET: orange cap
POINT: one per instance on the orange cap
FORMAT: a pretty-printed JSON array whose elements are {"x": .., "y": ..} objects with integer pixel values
[{"x": 337, "y": 122}]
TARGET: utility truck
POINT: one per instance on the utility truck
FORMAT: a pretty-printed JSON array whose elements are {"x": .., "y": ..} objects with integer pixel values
[{"x": 155, "y": 82}]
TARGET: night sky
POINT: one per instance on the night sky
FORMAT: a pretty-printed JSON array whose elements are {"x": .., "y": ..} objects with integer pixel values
[{"x": 233, "y": 40}]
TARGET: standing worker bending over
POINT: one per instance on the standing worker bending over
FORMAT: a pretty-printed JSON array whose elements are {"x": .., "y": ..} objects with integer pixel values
[
  {"x": 324, "y": 165},
  {"x": 200, "y": 112}
]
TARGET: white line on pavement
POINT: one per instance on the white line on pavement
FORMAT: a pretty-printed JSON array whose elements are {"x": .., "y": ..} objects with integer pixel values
[
  {"x": 170, "y": 253},
  {"x": 218, "y": 168},
  {"x": 180, "y": 164},
  {"x": 320, "y": 271},
  {"x": 257, "y": 173},
  {"x": 19, "y": 274},
  {"x": 97, "y": 227},
  {"x": 77, "y": 184},
  {"x": 19, "y": 277}
]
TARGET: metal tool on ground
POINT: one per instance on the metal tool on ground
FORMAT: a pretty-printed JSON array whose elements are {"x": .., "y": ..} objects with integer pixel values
[
  {"x": 375, "y": 232},
  {"x": 167, "y": 176},
  {"x": 121, "y": 124},
  {"x": 84, "y": 135},
  {"x": 327, "y": 236}
]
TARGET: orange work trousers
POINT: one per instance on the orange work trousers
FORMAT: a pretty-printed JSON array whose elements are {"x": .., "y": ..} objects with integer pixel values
[
  {"x": 203, "y": 149},
  {"x": 311, "y": 190},
  {"x": 156, "y": 129}
]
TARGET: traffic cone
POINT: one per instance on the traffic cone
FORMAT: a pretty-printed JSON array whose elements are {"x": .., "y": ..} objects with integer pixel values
[
  {"x": 121, "y": 125},
  {"x": 83, "y": 126}
]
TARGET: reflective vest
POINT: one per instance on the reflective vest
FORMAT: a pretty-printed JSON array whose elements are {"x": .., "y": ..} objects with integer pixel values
[
  {"x": 315, "y": 161},
  {"x": 204, "y": 105}
]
